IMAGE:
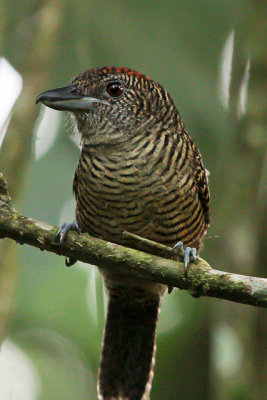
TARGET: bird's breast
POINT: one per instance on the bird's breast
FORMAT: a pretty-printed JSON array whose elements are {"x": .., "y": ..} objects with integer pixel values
[
  {"x": 113, "y": 195},
  {"x": 142, "y": 195}
]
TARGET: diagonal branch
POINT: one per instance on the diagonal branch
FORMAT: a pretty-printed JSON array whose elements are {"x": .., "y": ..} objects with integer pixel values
[{"x": 202, "y": 280}]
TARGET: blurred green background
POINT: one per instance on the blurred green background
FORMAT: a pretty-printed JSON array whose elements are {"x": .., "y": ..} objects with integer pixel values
[{"x": 211, "y": 57}]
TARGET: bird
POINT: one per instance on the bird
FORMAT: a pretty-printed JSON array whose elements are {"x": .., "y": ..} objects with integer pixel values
[{"x": 139, "y": 171}]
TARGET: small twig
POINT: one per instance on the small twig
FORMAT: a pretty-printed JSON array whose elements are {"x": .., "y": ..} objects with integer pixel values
[
  {"x": 152, "y": 247},
  {"x": 158, "y": 249}
]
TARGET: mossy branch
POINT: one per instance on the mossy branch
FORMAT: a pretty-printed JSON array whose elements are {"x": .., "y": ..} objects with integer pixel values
[{"x": 157, "y": 266}]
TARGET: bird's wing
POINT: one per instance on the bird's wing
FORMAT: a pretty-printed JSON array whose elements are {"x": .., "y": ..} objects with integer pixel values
[{"x": 201, "y": 178}]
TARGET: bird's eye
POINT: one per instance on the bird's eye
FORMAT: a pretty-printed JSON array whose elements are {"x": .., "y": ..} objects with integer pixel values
[{"x": 114, "y": 89}]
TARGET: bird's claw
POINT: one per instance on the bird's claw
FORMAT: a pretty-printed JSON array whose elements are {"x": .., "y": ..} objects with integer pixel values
[
  {"x": 188, "y": 253},
  {"x": 69, "y": 261},
  {"x": 170, "y": 289},
  {"x": 63, "y": 229},
  {"x": 179, "y": 246}
]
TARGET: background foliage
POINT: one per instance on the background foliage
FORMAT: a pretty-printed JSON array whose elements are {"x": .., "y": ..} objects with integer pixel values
[{"x": 53, "y": 317}]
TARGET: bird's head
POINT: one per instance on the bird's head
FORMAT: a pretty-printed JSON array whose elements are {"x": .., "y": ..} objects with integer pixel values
[{"x": 109, "y": 105}]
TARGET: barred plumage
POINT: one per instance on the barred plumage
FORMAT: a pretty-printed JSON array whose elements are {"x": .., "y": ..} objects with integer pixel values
[
  {"x": 149, "y": 189},
  {"x": 139, "y": 171}
]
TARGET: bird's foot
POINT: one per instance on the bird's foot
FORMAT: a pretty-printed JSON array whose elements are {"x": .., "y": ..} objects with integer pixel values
[
  {"x": 63, "y": 229},
  {"x": 189, "y": 253}
]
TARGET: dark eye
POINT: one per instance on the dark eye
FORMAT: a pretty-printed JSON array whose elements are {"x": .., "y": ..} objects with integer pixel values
[{"x": 114, "y": 89}]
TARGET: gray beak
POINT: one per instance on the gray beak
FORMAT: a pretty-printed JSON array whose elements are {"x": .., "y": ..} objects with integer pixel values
[{"x": 68, "y": 98}]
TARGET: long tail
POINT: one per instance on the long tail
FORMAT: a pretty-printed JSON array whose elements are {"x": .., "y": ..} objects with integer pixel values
[{"x": 127, "y": 361}]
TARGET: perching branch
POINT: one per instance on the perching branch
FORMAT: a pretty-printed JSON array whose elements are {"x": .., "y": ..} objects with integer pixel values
[{"x": 202, "y": 279}]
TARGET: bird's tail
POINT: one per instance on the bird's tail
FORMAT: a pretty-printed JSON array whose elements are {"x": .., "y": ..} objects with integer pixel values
[{"x": 128, "y": 353}]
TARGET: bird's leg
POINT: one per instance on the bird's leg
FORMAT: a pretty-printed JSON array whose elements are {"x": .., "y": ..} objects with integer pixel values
[
  {"x": 63, "y": 229},
  {"x": 188, "y": 252}
]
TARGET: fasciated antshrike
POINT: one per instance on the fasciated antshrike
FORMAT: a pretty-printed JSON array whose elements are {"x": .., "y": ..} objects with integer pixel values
[{"x": 139, "y": 171}]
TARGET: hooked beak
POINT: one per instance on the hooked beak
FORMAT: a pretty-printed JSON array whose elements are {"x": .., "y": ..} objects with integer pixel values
[{"x": 68, "y": 98}]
